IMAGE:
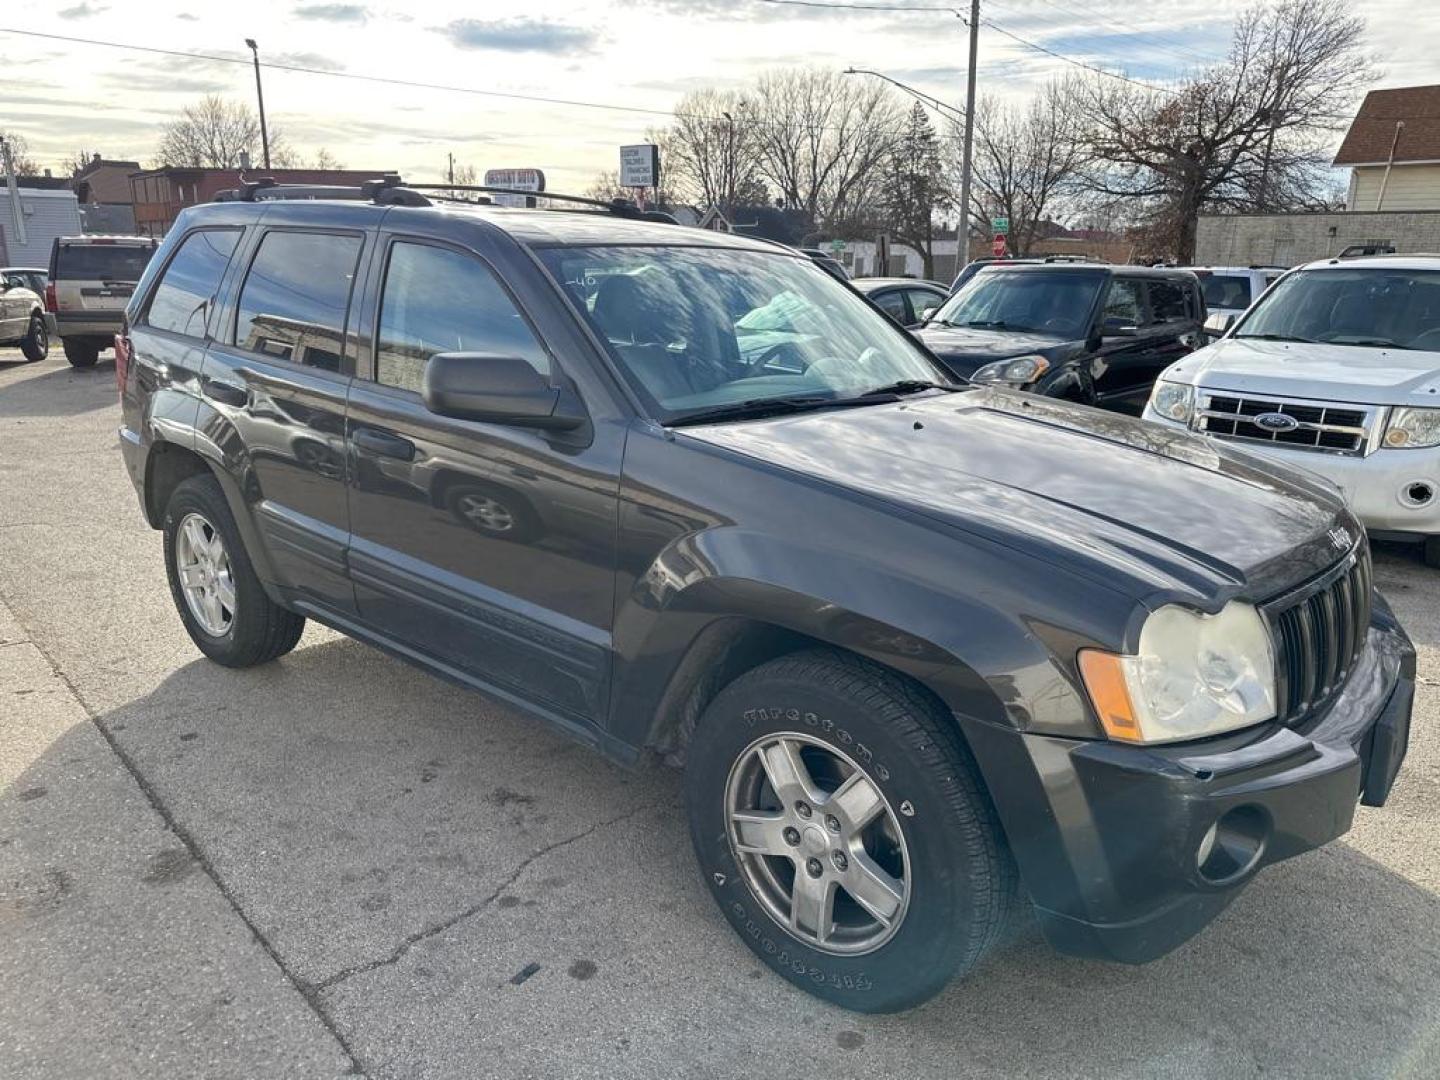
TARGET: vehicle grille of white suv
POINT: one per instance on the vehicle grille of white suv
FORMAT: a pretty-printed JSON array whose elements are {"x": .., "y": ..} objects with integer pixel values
[{"x": 1318, "y": 425}]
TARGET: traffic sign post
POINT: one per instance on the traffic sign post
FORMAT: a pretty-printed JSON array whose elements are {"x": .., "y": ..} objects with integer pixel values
[
  {"x": 998, "y": 247},
  {"x": 1000, "y": 224}
]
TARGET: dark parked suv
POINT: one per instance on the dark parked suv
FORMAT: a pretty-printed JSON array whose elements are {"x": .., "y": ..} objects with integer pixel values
[
  {"x": 681, "y": 493},
  {"x": 1081, "y": 331}
]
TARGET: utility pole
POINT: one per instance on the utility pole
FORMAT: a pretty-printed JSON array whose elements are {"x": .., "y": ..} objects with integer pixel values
[
  {"x": 260, "y": 96},
  {"x": 451, "y": 174},
  {"x": 17, "y": 212},
  {"x": 962, "y": 241}
]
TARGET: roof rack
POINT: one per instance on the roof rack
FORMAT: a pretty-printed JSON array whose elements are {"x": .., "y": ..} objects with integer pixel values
[
  {"x": 390, "y": 190},
  {"x": 622, "y": 207}
]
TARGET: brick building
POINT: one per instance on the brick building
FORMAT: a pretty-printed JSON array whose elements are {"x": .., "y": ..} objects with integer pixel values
[{"x": 160, "y": 194}]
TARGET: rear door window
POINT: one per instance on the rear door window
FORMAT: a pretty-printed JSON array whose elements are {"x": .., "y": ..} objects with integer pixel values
[
  {"x": 183, "y": 299},
  {"x": 1170, "y": 302},
  {"x": 1226, "y": 291},
  {"x": 893, "y": 304},
  {"x": 101, "y": 262},
  {"x": 296, "y": 296}
]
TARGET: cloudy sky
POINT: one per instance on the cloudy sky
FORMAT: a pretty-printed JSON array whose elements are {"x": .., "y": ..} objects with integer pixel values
[{"x": 636, "y": 55}]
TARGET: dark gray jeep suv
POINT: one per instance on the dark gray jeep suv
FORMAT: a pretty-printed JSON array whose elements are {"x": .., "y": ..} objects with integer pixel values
[{"x": 684, "y": 494}]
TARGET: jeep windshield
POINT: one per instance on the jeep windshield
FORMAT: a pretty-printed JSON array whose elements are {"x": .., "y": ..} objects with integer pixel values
[
  {"x": 710, "y": 333},
  {"x": 1055, "y": 303},
  {"x": 1379, "y": 307}
]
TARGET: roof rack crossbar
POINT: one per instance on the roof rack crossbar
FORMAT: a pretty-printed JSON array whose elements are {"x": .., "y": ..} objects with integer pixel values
[{"x": 621, "y": 207}]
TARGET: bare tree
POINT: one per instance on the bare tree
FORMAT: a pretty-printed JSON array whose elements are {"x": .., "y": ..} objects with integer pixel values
[
  {"x": 81, "y": 160},
  {"x": 1246, "y": 134},
  {"x": 823, "y": 140},
  {"x": 712, "y": 151},
  {"x": 324, "y": 159},
  {"x": 214, "y": 133},
  {"x": 20, "y": 159},
  {"x": 606, "y": 186},
  {"x": 1025, "y": 160}
]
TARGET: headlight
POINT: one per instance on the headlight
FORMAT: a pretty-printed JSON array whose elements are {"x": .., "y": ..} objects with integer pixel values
[
  {"x": 1193, "y": 675},
  {"x": 1413, "y": 428},
  {"x": 1173, "y": 401},
  {"x": 1021, "y": 371}
]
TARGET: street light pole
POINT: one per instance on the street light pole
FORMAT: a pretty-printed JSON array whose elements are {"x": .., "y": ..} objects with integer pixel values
[
  {"x": 260, "y": 96},
  {"x": 962, "y": 241}
]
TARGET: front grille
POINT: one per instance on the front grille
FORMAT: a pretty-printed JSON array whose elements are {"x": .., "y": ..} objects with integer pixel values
[
  {"x": 1318, "y": 631},
  {"x": 1318, "y": 426}
]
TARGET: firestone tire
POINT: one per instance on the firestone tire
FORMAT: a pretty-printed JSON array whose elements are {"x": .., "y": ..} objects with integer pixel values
[
  {"x": 80, "y": 352},
  {"x": 959, "y": 880},
  {"x": 251, "y": 629},
  {"x": 36, "y": 345}
]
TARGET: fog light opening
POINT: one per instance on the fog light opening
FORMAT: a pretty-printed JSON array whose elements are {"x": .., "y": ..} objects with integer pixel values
[
  {"x": 1232, "y": 846},
  {"x": 1418, "y": 493}
]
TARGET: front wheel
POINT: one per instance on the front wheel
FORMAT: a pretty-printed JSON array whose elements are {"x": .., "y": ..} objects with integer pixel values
[
  {"x": 842, "y": 826},
  {"x": 36, "y": 345},
  {"x": 221, "y": 601}
]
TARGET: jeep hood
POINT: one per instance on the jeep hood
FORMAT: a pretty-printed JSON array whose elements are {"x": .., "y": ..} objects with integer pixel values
[
  {"x": 965, "y": 350},
  {"x": 1161, "y": 513},
  {"x": 1350, "y": 373}
]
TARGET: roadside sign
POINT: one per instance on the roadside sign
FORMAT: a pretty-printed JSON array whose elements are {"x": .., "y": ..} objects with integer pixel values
[
  {"x": 522, "y": 179},
  {"x": 1000, "y": 224},
  {"x": 998, "y": 247},
  {"x": 837, "y": 246},
  {"x": 640, "y": 165}
]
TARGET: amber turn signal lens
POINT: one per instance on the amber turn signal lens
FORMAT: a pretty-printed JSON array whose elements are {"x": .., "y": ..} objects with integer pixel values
[{"x": 1104, "y": 678}]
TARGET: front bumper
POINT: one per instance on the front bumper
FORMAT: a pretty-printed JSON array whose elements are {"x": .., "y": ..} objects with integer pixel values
[
  {"x": 1111, "y": 838},
  {"x": 1377, "y": 488}
]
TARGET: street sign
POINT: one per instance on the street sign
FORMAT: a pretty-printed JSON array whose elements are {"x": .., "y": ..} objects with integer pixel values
[
  {"x": 998, "y": 247},
  {"x": 521, "y": 179},
  {"x": 640, "y": 165},
  {"x": 1000, "y": 224},
  {"x": 837, "y": 246}
]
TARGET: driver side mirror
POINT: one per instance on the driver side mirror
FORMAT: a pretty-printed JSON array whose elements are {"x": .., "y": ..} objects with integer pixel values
[
  {"x": 497, "y": 389},
  {"x": 929, "y": 313}
]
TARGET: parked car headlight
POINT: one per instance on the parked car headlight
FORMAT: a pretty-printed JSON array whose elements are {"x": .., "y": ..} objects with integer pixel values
[
  {"x": 1413, "y": 428},
  {"x": 1193, "y": 675},
  {"x": 1021, "y": 371},
  {"x": 1173, "y": 401}
]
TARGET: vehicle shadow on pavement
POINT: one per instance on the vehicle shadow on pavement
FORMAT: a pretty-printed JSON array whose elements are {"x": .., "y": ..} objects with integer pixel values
[
  {"x": 58, "y": 391},
  {"x": 463, "y": 892}
]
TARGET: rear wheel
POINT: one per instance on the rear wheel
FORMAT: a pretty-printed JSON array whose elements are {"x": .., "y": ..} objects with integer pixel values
[
  {"x": 842, "y": 826},
  {"x": 220, "y": 600},
  {"x": 81, "y": 352},
  {"x": 36, "y": 345}
]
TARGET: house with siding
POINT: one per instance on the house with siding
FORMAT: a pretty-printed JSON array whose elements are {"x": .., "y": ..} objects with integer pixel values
[{"x": 1393, "y": 151}]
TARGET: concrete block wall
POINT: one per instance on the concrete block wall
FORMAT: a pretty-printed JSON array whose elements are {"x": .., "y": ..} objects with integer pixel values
[{"x": 1288, "y": 239}]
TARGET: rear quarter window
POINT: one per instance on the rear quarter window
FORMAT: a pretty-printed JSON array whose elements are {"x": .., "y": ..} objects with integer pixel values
[
  {"x": 182, "y": 300},
  {"x": 101, "y": 262}
]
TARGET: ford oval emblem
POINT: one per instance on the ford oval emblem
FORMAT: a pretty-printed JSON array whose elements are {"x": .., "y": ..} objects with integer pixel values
[{"x": 1277, "y": 422}]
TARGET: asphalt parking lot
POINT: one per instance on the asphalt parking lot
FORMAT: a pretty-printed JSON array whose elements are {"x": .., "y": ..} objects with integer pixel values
[{"x": 335, "y": 864}]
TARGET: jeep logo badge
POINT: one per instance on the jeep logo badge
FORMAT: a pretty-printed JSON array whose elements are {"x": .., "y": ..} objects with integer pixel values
[{"x": 1276, "y": 422}]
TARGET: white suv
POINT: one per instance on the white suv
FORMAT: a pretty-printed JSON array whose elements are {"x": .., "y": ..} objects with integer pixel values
[
  {"x": 1336, "y": 369},
  {"x": 1230, "y": 290}
]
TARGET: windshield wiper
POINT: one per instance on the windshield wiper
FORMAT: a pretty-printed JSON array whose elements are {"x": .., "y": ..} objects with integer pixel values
[
  {"x": 907, "y": 386},
  {"x": 1277, "y": 337},
  {"x": 753, "y": 408}
]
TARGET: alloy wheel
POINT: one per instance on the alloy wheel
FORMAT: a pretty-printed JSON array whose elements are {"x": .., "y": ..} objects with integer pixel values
[
  {"x": 206, "y": 577},
  {"x": 818, "y": 843}
]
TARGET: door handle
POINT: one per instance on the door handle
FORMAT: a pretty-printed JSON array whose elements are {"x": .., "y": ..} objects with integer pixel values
[
  {"x": 226, "y": 393},
  {"x": 383, "y": 444}
]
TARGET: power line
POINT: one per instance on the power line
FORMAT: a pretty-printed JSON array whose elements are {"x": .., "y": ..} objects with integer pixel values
[
  {"x": 669, "y": 114},
  {"x": 999, "y": 29},
  {"x": 1078, "y": 63},
  {"x": 1169, "y": 45}
]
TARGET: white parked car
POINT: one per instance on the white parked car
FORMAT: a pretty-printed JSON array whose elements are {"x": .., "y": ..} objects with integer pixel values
[
  {"x": 1230, "y": 290},
  {"x": 1335, "y": 370}
]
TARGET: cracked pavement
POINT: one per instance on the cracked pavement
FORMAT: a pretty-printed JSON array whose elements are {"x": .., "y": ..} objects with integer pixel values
[{"x": 337, "y": 865}]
